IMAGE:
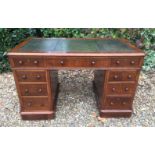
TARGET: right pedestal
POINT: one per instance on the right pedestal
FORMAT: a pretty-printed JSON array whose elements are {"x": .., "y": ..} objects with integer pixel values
[{"x": 115, "y": 90}]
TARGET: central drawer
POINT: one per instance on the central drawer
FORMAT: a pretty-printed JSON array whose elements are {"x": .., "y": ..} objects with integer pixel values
[
  {"x": 33, "y": 89},
  {"x": 76, "y": 62}
]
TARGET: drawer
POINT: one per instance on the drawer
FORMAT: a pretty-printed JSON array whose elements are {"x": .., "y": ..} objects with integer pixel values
[
  {"x": 28, "y": 62},
  {"x": 77, "y": 62},
  {"x": 122, "y": 103},
  {"x": 126, "y": 62},
  {"x": 35, "y": 104},
  {"x": 33, "y": 89},
  {"x": 30, "y": 76},
  {"x": 120, "y": 88},
  {"x": 123, "y": 75}
]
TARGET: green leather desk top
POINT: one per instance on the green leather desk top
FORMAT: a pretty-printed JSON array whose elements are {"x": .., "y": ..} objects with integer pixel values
[{"x": 62, "y": 45}]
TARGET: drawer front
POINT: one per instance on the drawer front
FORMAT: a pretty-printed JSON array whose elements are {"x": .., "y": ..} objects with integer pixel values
[
  {"x": 35, "y": 104},
  {"x": 28, "y": 62},
  {"x": 33, "y": 89},
  {"x": 130, "y": 75},
  {"x": 31, "y": 76},
  {"x": 77, "y": 62},
  {"x": 120, "y": 88},
  {"x": 126, "y": 62},
  {"x": 121, "y": 103},
  {"x": 122, "y": 75},
  {"x": 115, "y": 76}
]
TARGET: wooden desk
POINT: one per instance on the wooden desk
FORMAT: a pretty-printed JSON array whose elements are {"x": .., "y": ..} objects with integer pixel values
[{"x": 35, "y": 63}]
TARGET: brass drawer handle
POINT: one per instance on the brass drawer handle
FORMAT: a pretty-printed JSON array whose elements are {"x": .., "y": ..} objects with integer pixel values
[
  {"x": 93, "y": 62},
  {"x": 117, "y": 62},
  {"x": 20, "y": 62},
  {"x": 115, "y": 76},
  {"x": 61, "y": 62},
  {"x": 24, "y": 76},
  {"x": 36, "y": 62},
  {"x": 40, "y": 90},
  {"x": 38, "y": 76},
  {"x": 129, "y": 76},
  {"x": 132, "y": 62}
]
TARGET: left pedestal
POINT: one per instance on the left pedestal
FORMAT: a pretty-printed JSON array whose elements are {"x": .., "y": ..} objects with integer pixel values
[{"x": 37, "y": 91}]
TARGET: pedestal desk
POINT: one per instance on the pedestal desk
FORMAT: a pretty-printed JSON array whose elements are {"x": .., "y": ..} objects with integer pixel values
[{"x": 36, "y": 61}]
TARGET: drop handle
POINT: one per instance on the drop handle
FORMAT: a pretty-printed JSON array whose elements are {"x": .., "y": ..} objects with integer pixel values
[
  {"x": 36, "y": 62},
  {"x": 61, "y": 62},
  {"x": 124, "y": 103}
]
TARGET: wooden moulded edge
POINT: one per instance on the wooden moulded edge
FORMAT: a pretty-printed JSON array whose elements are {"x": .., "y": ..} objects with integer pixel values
[{"x": 105, "y": 54}]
